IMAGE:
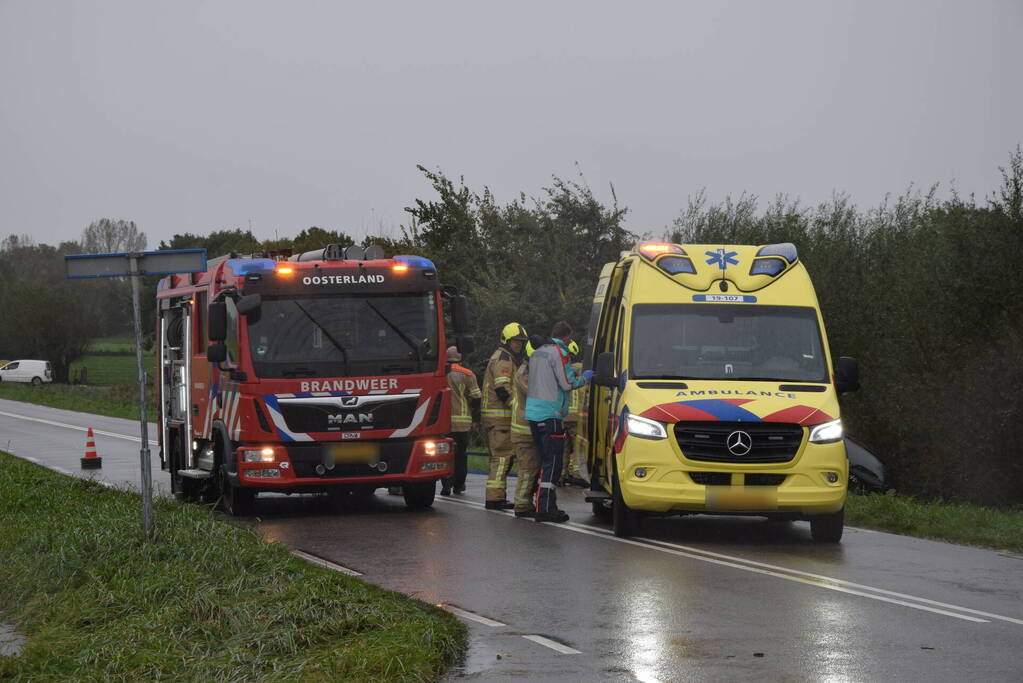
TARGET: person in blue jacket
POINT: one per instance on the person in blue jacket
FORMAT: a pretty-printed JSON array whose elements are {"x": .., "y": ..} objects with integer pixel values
[{"x": 551, "y": 378}]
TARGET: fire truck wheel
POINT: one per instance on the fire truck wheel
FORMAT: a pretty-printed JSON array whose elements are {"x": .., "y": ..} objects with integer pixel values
[
  {"x": 419, "y": 496},
  {"x": 235, "y": 500}
]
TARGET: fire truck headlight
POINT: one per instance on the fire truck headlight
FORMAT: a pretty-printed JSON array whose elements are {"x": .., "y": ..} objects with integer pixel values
[
  {"x": 437, "y": 448},
  {"x": 259, "y": 455}
]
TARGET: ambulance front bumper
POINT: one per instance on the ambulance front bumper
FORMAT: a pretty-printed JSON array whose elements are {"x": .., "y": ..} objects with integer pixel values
[{"x": 656, "y": 478}]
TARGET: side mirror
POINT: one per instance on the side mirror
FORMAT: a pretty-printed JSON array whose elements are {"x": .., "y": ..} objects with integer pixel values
[
  {"x": 216, "y": 325},
  {"x": 249, "y": 303},
  {"x": 460, "y": 315},
  {"x": 216, "y": 353},
  {"x": 847, "y": 375},
  {"x": 604, "y": 370},
  {"x": 465, "y": 344}
]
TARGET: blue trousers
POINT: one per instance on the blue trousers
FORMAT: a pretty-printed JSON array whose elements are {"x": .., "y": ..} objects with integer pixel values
[{"x": 549, "y": 436}]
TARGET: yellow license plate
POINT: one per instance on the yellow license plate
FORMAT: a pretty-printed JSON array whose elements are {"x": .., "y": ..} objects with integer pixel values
[
  {"x": 741, "y": 498},
  {"x": 354, "y": 453}
]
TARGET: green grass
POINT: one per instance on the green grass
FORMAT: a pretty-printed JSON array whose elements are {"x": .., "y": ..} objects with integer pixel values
[
  {"x": 206, "y": 600},
  {"x": 116, "y": 401},
  {"x": 109, "y": 370},
  {"x": 114, "y": 344},
  {"x": 955, "y": 522}
]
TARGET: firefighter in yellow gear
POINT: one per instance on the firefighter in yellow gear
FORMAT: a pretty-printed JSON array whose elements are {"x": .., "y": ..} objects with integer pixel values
[
  {"x": 496, "y": 411},
  {"x": 573, "y": 474},
  {"x": 464, "y": 391},
  {"x": 527, "y": 458}
]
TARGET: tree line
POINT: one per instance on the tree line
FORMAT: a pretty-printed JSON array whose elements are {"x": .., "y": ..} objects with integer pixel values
[{"x": 922, "y": 290}]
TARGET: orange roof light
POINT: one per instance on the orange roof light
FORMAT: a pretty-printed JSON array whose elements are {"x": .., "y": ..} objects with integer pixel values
[
  {"x": 285, "y": 270},
  {"x": 399, "y": 268},
  {"x": 654, "y": 249}
]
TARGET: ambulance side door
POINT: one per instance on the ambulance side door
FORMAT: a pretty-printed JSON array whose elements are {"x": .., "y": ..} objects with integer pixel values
[{"x": 601, "y": 427}]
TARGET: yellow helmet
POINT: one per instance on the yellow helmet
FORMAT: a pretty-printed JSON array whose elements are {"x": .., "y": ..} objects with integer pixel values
[
  {"x": 513, "y": 331},
  {"x": 529, "y": 349},
  {"x": 573, "y": 348}
]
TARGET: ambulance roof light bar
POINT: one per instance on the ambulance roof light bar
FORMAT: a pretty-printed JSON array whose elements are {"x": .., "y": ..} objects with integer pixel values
[{"x": 652, "y": 250}]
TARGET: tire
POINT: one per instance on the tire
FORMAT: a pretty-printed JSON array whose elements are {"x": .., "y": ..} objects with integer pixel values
[
  {"x": 624, "y": 519},
  {"x": 419, "y": 496},
  {"x": 828, "y": 528},
  {"x": 236, "y": 501},
  {"x": 601, "y": 511},
  {"x": 36, "y": 381}
]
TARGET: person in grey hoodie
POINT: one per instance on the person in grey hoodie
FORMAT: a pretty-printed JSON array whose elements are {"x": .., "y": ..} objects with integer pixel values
[{"x": 551, "y": 377}]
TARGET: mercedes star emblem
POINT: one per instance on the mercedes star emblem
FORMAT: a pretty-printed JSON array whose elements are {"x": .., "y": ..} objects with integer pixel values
[{"x": 739, "y": 443}]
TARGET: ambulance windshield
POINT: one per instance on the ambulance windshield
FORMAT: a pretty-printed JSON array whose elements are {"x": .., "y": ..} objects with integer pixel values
[
  {"x": 726, "y": 342},
  {"x": 344, "y": 336}
]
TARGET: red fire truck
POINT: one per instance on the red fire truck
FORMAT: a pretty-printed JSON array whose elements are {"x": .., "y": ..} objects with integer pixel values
[{"x": 324, "y": 372}]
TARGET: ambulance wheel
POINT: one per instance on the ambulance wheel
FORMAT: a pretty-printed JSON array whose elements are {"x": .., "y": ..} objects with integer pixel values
[
  {"x": 419, "y": 496},
  {"x": 827, "y": 528},
  {"x": 236, "y": 501},
  {"x": 624, "y": 519},
  {"x": 601, "y": 511}
]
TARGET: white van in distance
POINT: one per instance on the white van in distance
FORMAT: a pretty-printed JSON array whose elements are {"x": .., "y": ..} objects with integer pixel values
[{"x": 34, "y": 371}]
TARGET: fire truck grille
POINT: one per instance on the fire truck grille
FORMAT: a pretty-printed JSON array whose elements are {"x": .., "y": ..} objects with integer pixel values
[
  {"x": 393, "y": 459},
  {"x": 771, "y": 442},
  {"x": 310, "y": 416}
]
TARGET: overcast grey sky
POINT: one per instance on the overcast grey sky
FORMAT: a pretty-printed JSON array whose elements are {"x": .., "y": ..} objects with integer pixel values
[{"x": 189, "y": 116}]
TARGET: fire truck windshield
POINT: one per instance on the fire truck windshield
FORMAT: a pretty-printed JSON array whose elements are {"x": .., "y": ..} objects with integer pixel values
[{"x": 344, "y": 336}]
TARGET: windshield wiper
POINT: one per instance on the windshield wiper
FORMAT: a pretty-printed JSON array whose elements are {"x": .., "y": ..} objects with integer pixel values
[
  {"x": 298, "y": 372},
  {"x": 404, "y": 337},
  {"x": 328, "y": 335}
]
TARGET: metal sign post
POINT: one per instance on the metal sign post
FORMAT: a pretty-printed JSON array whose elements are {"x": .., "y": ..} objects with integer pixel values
[{"x": 134, "y": 266}]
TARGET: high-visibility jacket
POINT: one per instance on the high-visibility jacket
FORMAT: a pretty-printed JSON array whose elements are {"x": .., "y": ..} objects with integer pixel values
[
  {"x": 520, "y": 432},
  {"x": 498, "y": 374},
  {"x": 464, "y": 388}
]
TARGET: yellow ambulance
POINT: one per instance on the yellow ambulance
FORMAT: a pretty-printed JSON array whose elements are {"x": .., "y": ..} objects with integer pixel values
[{"x": 713, "y": 389}]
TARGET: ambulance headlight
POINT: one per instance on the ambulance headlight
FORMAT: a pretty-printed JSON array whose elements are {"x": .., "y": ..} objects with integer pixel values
[
  {"x": 644, "y": 428},
  {"x": 827, "y": 432}
]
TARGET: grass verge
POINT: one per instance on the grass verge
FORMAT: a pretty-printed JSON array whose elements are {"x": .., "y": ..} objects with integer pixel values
[
  {"x": 116, "y": 401},
  {"x": 955, "y": 522},
  {"x": 206, "y": 600}
]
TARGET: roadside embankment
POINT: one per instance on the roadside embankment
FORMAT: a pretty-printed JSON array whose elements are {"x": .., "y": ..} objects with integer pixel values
[
  {"x": 205, "y": 600},
  {"x": 940, "y": 520}
]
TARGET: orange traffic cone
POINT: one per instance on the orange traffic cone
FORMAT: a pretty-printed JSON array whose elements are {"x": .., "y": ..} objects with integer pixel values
[{"x": 91, "y": 461}]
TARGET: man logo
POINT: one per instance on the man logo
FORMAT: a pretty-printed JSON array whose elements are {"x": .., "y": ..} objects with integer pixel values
[
  {"x": 349, "y": 401},
  {"x": 350, "y": 418},
  {"x": 739, "y": 443}
]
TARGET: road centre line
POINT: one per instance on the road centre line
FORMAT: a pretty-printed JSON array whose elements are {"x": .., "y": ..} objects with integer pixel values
[
  {"x": 794, "y": 575},
  {"x": 326, "y": 564},
  {"x": 471, "y": 616},
  {"x": 77, "y": 428},
  {"x": 553, "y": 644}
]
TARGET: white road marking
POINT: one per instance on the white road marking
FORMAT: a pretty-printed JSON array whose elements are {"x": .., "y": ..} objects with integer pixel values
[
  {"x": 794, "y": 575},
  {"x": 319, "y": 561},
  {"x": 77, "y": 428},
  {"x": 554, "y": 645},
  {"x": 459, "y": 612}
]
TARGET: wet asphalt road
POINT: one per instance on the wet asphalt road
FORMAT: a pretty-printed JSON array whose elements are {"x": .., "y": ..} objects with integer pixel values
[{"x": 698, "y": 598}]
